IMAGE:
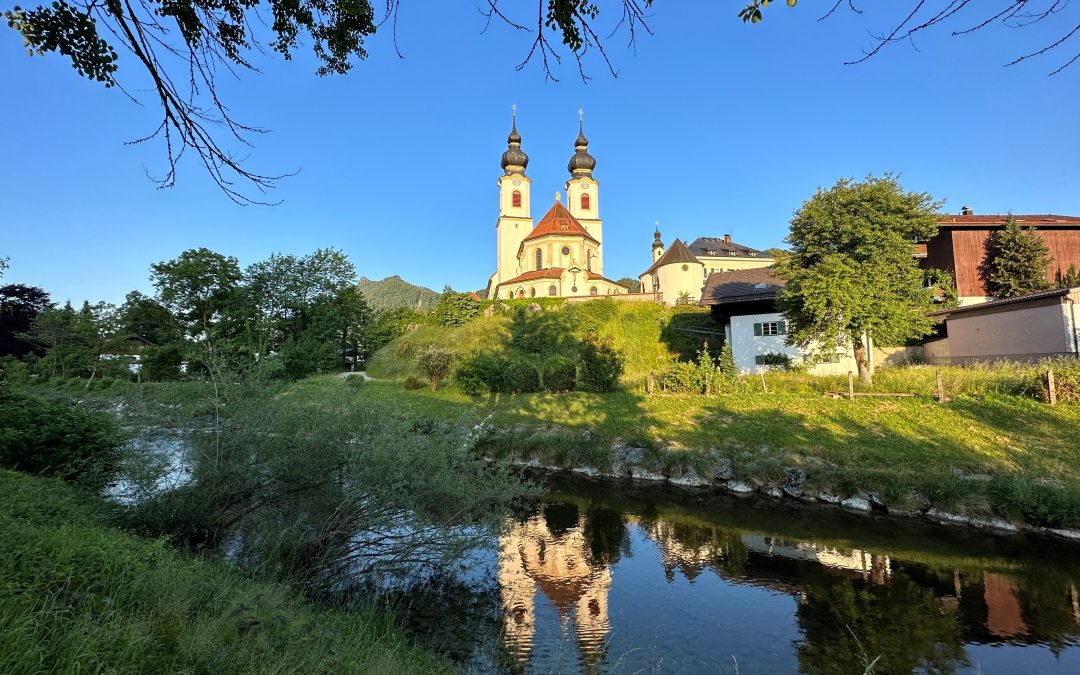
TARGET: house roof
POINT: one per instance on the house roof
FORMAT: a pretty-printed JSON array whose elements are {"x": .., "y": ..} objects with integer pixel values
[
  {"x": 1038, "y": 220},
  {"x": 593, "y": 276},
  {"x": 741, "y": 286},
  {"x": 558, "y": 221},
  {"x": 1020, "y": 299},
  {"x": 716, "y": 246},
  {"x": 533, "y": 275},
  {"x": 676, "y": 253}
]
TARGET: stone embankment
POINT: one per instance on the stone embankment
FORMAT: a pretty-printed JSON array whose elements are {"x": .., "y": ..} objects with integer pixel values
[{"x": 630, "y": 463}]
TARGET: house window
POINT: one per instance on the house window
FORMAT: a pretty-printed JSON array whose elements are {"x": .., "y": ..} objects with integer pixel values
[
  {"x": 552, "y": 290},
  {"x": 770, "y": 328},
  {"x": 515, "y": 199},
  {"x": 593, "y": 291},
  {"x": 585, "y": 202},
  {"x": 539, "y": 259}
]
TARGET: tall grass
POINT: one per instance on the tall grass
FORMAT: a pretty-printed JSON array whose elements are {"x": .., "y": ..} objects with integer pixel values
[{"x": 79, "y": 596}]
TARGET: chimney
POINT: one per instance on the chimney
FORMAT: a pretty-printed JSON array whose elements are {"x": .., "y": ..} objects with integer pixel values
[
  {"x": 727, "y": 238},
  {"x": 966, "y": 211}
]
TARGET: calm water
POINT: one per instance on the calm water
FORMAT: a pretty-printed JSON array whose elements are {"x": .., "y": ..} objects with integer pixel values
[{"x": 647, "y": 580}]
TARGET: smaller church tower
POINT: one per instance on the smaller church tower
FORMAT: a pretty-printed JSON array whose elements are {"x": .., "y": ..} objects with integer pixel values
[
  {"x": 583, "y": 193},
  {"x": 514, "y": 220},
  {"x": 657, "y": 245}
]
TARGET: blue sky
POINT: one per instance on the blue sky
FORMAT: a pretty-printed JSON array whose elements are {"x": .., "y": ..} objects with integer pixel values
[{"x": 711, "y": 127}]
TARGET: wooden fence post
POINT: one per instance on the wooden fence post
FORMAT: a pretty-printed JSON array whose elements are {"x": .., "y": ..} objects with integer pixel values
[
  {"x": 1051, "y": 389},
  {"x": 650, "y": 384},
  {"x": 850, "y": 386},
  {"x": 940, "y": 388}
]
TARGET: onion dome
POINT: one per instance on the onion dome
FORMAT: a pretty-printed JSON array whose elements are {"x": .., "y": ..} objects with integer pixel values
[
  {"x": 514, "y": 160},
  {"x": 582, "y": 163},
  {"x": 656, "y": 242}
]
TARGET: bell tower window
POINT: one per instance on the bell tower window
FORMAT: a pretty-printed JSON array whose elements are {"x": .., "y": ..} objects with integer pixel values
[
  {"x": 584, "y": 201},
  {"x": 515, "y": 199},
  {"x": 539, "y": 260}
]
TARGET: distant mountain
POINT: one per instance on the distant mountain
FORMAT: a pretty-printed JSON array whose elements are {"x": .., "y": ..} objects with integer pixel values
[{"x": 393, "y": 292}]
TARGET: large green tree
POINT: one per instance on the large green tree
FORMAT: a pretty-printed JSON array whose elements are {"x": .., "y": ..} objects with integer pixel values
[
  {"x": 1016, "y": 261},
  {"x": 19, "y": 306},
  {"x": 850, "y": 275}
]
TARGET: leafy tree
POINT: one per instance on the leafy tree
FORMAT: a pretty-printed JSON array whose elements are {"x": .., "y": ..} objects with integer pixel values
[
  {"x": 601, "y": 364},
  {"x": 19, "y": 306},
  {"x": 850, "y": 273},
  {"x": 197, "y": 287},
  {"x": 1016, "y": 261},
  {"x": 389, "y": 324},
  {"x": 455, "y": 309},
  {"x": 435, "y": 364},
  {"x": 1071, "y": 278},
  {"x": 148, "y": 319},
  {"x": 55, "y": 332},
  {"x": 633, "y": 285},
  {"x": 181, "y": 62}
]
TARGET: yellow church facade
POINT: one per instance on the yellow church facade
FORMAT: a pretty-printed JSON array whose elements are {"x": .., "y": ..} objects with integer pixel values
[{"x": 562, "y": 254}]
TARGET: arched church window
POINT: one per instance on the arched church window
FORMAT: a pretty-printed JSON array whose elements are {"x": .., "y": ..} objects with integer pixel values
[
  {"x": 593, "y": 291},
  {"x": 584, "y": 201},
  {"x": 521, "y": 293},
  {"x": 552, "y": 290},
  {"x": 539, "y": 259},
  {"x": 532, "y": 292},
  {"x": 515, "y": 199}
]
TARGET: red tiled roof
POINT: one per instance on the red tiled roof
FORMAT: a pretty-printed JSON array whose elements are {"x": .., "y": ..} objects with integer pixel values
[
  {"x": 594, "y": 276},
  {"x": 549, "y": 273},
  {"x": 559, "y": 221},
  {"x": 999, "y": 219}
]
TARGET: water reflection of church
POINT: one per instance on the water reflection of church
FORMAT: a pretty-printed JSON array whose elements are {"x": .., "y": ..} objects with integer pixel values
[{"x": 562, "y": 558}]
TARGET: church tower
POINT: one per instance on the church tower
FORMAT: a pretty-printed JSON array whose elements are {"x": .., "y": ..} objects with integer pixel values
[
  {"x": 657, "y": 244},
  {"x": 514, "y": 208},
  {"x": 583, "y": 194}
]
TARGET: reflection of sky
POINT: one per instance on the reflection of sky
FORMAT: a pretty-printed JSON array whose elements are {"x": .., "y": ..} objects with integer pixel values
[
  {"x": 697, "y": 626},
  {"x": 1016, "y": 659}
]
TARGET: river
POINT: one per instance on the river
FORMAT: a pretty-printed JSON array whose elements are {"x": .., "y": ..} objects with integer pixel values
[{"x": 646, "y": 579}]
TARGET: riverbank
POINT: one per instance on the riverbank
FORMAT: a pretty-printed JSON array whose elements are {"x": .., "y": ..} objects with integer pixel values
[
  {"x": 989, "y": 459},
  {"x": 80, "y": 595}
]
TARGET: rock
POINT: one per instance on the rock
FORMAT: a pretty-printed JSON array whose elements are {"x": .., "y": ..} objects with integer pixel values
[
  {"x": 634, "y": 455},
  {"x": 772, "y": 491},
  {"x": 1068, "y": 534},
  {"x": 723, "y": 469},
  {"x": 585, "y": 470},
  {"x": 690, "y": 479},
  {"x": 739, "y": 487},
  {"x": 793, "y": 482},
  {"x": 994, "y": 523},
  {"x": 947, "y": 517},
  {"x": 872, "y": 498},
  {"x": 644, "y": 474},
  {"x": 534, "y": 307},
  {"x": 856, "y": 504},
  {"x": 828, "y": 498}
]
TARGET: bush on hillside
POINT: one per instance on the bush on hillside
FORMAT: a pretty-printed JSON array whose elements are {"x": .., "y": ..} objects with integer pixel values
[
  {"x": 413, "y": 383},
  {"x": 542, "y": 332},
  {"x": 486, "y": 372},
  {"x": 51, "y": 438},
  {"x": 1067, "y": 380},
  {"x": 560, "y": 374},
  {"x": 435, "y": 362},
  {"x": 455, "y": 309},
  {"x": 601, "y": 364},
  {"x": 521, "y": 378}
]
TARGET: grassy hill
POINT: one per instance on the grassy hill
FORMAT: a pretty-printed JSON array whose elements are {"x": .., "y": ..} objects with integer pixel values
[{"x": 393, "y": 292}]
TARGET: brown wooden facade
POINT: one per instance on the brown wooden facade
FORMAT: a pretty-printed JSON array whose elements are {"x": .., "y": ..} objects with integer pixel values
[{"x": 960, "y": 246}]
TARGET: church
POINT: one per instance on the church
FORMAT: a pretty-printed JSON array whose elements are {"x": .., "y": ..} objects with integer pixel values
[{"x": 562, "y": 255}]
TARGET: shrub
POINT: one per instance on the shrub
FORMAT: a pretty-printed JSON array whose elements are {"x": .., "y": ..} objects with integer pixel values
[
  {"x": 681, "y": 377},
  {"x": 1067, "y": 380},
  {"x": 482, "y": 373},
  {"x": 56, "y": 439},
  {"x": 13, "y": 370},
  {"x": 160, "y": 364},
  {"x": 455, "y": 309},
  {"x": 354, "y": 381},
  {"x": 434, "y": 363},
  {"x": 521, "y": 378},
  {"x": 601, "y": 364},
  {"x": 560, "y": 374},
  {"x": 413, "y": 382}
]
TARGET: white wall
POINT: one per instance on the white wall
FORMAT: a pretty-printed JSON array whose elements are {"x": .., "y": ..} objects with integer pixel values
[{"x": 745, "y": 346}]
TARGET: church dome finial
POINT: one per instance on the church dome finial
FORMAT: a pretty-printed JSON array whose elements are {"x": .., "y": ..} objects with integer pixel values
[
  {"x": 514, "y": 160},
  {"x": 582, "y": 163}
]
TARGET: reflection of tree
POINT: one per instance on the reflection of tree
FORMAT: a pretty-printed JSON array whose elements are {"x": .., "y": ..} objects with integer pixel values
[
  {"x": 901, "y": 621},
  {"x": 605, "y": 532}
]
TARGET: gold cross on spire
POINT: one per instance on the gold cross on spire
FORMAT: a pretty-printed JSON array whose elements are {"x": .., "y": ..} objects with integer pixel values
[
  {"x": 580, "y": 115},
  {"x": 514, "y": 108}
]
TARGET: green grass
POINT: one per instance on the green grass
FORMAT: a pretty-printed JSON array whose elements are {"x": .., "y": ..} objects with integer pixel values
[
  {"x": 77, "y": 595},
  {"x": 994, "y": 449}
]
